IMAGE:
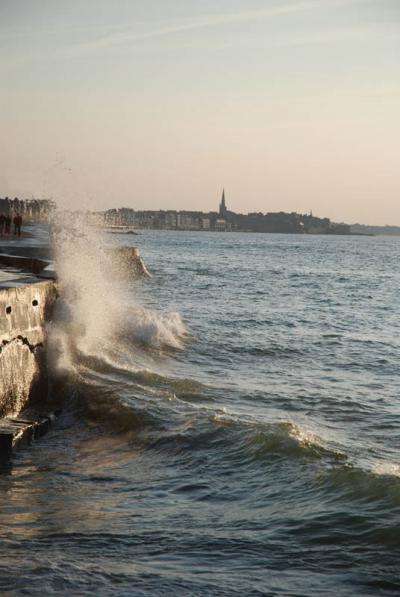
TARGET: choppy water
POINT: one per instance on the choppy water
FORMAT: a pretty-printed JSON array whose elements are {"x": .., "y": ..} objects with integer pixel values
[{"x": 248, "y": 446}]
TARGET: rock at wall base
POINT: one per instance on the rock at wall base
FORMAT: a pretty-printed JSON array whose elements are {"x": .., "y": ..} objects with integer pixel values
[{"x": 18, "y": 432}]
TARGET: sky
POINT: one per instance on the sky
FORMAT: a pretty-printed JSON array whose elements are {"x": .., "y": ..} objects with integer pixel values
[{"x": 291, "y": 105}]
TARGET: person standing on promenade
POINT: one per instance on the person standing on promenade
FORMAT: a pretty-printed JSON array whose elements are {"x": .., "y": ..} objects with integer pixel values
[
  {"x": 7, "y": 224},
  {"x": 17, "y": 224},
  {"x": 2, "y": 223}
]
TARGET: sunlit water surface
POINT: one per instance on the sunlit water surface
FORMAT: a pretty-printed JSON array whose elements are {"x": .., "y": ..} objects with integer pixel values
[{"x": 255, "y": 454}]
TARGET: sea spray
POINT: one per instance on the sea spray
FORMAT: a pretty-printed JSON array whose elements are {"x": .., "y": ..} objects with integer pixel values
[{"x": 97, "y": 315}]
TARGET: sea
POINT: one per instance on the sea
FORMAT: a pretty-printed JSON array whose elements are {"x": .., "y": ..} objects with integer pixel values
[{"x": 230, "y": 425}]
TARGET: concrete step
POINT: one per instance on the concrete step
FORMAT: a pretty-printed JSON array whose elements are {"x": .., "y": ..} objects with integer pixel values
[{"x": 20, "y": 431}]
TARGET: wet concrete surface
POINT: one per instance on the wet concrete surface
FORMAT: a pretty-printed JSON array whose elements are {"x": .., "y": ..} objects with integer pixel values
[{"x": 35, "y": 243}]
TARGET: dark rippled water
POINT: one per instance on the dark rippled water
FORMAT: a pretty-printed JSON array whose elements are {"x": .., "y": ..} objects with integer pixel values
[{"x": 260, "y": 458}]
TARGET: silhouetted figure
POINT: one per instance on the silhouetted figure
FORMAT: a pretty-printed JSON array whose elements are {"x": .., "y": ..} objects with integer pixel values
[
  {"x": 17, "y": 224},
  {"x": 2, "y": 222},
  {"x": 7, "y": 224}
]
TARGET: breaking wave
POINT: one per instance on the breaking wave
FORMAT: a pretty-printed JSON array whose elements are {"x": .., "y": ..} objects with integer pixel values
[{"x": 97, "y": 315}]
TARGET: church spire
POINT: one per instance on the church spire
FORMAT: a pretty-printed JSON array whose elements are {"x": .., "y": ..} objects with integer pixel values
[{"x": 222, "y": 205}]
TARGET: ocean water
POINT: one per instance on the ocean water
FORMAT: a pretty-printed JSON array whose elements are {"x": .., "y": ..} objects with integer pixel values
[{"x": 231, "y": 426}]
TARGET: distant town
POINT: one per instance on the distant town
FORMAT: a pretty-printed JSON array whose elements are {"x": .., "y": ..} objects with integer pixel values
[{"x": 223, "y": 220}]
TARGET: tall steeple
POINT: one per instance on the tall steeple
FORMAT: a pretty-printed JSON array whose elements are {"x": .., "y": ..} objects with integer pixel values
[{"x": 222, "y": 206}]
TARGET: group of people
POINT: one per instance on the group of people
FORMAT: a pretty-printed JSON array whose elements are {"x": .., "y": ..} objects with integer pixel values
[{"x": 5, "y": 224}]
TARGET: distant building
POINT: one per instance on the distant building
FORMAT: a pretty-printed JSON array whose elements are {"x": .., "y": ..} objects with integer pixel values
[
  {"x": 220, "y": 225},
  {"x": 222, "y": 207},
  {"x": 171, "y": 220}
]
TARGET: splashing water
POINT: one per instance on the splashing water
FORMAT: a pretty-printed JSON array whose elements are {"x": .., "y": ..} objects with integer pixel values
[{"x": 97, "y": 311}]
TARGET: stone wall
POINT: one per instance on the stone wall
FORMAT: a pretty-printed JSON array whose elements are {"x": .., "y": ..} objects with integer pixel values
[{"x": 24, "y": 309}]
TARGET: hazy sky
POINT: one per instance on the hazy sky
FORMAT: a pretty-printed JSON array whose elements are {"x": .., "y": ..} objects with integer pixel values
[{"x": 289, "y": 104}]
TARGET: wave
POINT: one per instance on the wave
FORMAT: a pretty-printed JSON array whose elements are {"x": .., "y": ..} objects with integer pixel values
[
  {"x": 97, "y": 307},
  {"x": 180, "y": 419},
  {"x": 154, "y": 329},
  {"x": 179, "y": 414}
]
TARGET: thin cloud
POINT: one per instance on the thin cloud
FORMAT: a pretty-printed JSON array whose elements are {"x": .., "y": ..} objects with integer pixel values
[
  {"x": 206, "y": 22},
  {"x": 55, "y": 29},
  {"x": 362, "y": 33},
  {"x": 122, "y": 35}
]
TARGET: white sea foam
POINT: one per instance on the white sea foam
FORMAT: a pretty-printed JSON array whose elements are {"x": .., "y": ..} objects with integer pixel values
[
  {"x": 302, "y": 435},
  {"x": 97, "y": 311},
  {"x": 156, "y": 329},
  {"x": 390, "y": 469}
]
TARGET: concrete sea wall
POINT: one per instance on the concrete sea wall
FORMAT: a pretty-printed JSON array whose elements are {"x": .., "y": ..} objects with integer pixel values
[
  {"x": 26, "y": 303},
  {"x": 24, "y": 309}
]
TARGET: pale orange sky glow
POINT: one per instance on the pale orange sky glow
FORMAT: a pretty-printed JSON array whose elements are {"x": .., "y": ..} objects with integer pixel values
[{"x": 290, "y": 105}]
